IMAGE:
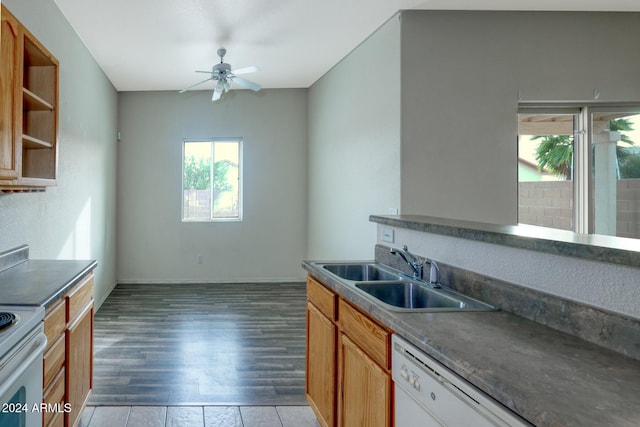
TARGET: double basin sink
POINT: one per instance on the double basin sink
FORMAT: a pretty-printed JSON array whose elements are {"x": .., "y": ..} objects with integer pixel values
[{"x": 399, "y": 292}]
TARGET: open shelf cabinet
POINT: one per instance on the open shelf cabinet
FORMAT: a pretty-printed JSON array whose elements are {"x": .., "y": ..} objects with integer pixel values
[{"x": 29, "y": 104}]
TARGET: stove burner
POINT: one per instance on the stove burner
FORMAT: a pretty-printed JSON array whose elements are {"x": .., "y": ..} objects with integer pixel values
[{"x": 6, "y": 320}]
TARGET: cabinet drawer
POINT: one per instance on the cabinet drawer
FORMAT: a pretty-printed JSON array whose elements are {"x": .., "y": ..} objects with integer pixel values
[
  {"x": 373, "y": 338},
  {"x": 55, "y": 322},
  {"x": 79, "y": 297},
  {"x": 54, "y": 394},
  {"x": 322, "y": 297},
  {"x": 53, "y": 360}
]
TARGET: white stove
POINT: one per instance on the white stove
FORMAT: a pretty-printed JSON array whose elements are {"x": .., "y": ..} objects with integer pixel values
[
  {"x": 22, "y": 342},
  {"x": 24, "y": 319}
]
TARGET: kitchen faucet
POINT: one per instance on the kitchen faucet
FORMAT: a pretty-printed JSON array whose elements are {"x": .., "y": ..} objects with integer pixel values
[
  {"x": 415, "y": 264},
  {"x": 434, "y": 273}
]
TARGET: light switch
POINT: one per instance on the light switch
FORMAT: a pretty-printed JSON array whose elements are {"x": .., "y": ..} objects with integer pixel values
[{"x": 387, "y": 235}]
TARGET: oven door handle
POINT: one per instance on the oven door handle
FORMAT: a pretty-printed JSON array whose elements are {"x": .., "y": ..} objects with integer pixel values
[{"x": 37, "y": 346}]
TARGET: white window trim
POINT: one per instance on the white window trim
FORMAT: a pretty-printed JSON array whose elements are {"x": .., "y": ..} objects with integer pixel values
[{"x": 240, "y": 142}]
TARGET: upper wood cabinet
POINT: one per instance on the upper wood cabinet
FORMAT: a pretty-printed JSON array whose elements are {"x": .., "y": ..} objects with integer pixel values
[
  {"x": 9, "y": 102},
  {"x": 28, "y": 110}
]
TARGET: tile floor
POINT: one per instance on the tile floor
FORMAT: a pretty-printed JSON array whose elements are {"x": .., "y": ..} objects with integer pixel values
[{"x": 198, "y": 416}]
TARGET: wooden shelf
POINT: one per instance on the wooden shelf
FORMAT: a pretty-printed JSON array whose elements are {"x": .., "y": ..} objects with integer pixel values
[
  {"x": 35, "y": 143},
  {"x": 33, "y": 102},
  {"x": 28, "y": 109},
  {"x": 36, "y": 55},
  {"x": 8, "y": 189}
]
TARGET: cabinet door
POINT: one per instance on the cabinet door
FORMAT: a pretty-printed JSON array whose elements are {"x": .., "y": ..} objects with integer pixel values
[
  {"x": 365, "y": 388},
  {"x": 79, "y": 371},
  {"x": 321, "y": 366},
  {"x": 9, "y": 105}
]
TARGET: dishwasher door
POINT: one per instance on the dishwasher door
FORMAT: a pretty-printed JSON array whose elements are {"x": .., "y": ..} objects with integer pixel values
[
  {"x": 409, "y": 413},
  {"x": 437, "y": 407},
  {"x": 428, "y": 394}
]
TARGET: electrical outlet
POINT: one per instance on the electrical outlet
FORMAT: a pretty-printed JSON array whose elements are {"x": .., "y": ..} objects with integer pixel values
[
  {"x": 387, "y": 235},
  {"x": 199, "y": 259}
]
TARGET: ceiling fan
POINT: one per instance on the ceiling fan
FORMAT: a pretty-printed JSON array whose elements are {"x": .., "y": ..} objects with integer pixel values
[{"x": 224, "y": 75}]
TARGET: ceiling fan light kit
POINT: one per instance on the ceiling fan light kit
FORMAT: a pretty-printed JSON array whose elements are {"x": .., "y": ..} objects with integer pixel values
[{"x": 224, "y": 75}]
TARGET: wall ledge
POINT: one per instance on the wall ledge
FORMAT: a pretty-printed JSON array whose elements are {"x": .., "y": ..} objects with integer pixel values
[{"x": 592, "y": 247}]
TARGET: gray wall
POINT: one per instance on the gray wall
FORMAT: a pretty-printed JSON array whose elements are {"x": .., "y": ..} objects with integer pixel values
[
  {"x": 268, "y": 244},
  {"x": 354, "y": 147},
  {"x": 75, "y": 219},
  {"x": 461, "y": 75}
]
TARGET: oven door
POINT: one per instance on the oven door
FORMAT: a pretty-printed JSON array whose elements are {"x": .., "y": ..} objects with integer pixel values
[{"x": 21, "y": 382}]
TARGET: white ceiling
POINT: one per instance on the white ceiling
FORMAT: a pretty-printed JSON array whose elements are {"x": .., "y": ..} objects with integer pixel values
[{"x": 158, "y": 44}]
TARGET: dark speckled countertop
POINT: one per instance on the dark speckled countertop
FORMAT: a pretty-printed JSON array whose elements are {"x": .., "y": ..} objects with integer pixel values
[
  {"x": 548, "y": 377},
  {"x": 40, "y": 282}
]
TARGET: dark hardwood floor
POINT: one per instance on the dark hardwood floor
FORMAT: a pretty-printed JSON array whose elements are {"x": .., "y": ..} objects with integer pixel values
[{"x": 193, "y": 344}]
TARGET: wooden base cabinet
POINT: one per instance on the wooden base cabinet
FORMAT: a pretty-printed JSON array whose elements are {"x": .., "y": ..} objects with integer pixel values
[
  {"x": 365, "y": 388},
  {"x": 68, "y": 359},
  {"x": 322, "y": 335},
  {"x": 348, "y": 378},
  {"x": 79, "y": 376},
  {"x": 321, "y": 365}
]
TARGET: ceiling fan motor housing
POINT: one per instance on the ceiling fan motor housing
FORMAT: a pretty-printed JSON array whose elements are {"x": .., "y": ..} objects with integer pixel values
[
  {"x": 224, "y": 75},
  {"x": 221, "y": 70}
]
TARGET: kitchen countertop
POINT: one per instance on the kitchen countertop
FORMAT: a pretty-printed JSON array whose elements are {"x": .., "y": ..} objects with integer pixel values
[
  {"x": 41, "y": 282},
  {"x": 548, "y": 377}
]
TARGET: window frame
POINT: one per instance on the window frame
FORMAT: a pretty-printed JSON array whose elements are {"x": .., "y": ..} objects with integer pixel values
[
  {"x": 583, "y": 186},
  {"x": 213, "y": 141}
]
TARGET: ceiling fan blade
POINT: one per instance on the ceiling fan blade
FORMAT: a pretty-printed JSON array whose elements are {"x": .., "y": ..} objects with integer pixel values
[
  {"x": 202, "y": 71},
  {"x": 194, "y": 85},
  {"x": 246, "y": 70},
  {"x": 217, "y": 93},
  {"x": 247, "y": 83}
]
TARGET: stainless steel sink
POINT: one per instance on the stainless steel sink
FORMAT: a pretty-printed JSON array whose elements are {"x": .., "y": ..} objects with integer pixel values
[
  {"x": 416, "y": 296},
  {"x": 409, "y": 295},
  {"x": 397, "y": 291},
  {"x": 361, "y": 272}
]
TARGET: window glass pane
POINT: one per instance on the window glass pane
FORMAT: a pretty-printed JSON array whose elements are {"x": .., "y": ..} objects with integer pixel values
[
  {"x": 211, "y": 180},
  {"x": 226, "y": 180},
  {"x": 197, "y": 181},
  {"x": 616, "y": 173},
  {"x": 545, "y": 170}
]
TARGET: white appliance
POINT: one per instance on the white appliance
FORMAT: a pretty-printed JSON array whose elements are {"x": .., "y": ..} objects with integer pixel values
[
  {"x": 428, "y": 394},
  {"x": 22, "y": 342}
]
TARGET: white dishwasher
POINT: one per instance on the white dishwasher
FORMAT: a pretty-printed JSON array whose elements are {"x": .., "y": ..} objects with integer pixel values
[{"x": 428, "y": 394}]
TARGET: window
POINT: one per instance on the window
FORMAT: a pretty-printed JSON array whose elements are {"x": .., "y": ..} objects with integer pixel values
[
  {"x": 615, "y": 173},
  {"x": 579, "y": 168},
  {"x": 211, "y": 180},
  {"x": 545, "y": 169}
]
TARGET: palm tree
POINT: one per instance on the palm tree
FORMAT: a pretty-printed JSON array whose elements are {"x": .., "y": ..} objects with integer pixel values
[{"x": 555, "y": 152}]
